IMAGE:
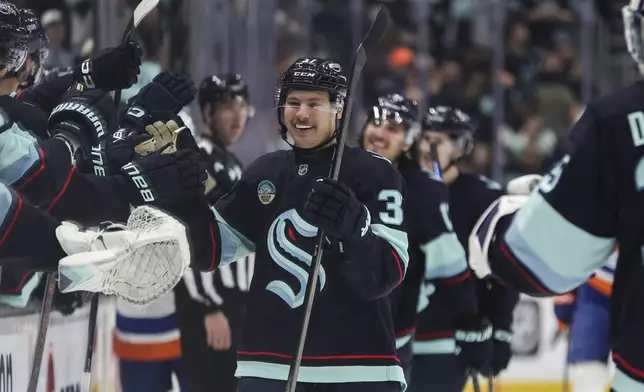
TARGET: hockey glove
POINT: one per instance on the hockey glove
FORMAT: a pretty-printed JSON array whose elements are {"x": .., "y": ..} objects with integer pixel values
[
  {"x": 112, "y": 69},
  {"x": 502, "y": 351},
  {"x": 161, "y": 99},
  {"x": 334, "y": 208},
  {"x": 165, "y": 179},
  {"x": 123, "y": 146},
  {"x": 84, "y": 119},
  {"x": 474, "y": 345}
]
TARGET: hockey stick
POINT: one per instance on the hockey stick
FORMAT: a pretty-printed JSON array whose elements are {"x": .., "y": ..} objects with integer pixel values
[
  {"x": 140, "y": 12},
  {"x": 475, "y": 381},
  {"x": 433, "y": 154},
  {"x": 43, "y": 326},
  {"x": 368, "y": 44},
  {"x": 91, "y": 340}
]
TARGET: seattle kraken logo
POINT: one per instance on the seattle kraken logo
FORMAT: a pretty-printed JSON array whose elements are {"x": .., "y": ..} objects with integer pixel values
[{"x": 280, "y": 247}]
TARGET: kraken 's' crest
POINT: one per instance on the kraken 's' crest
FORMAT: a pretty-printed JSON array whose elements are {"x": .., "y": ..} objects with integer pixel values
[{"x": 290, "y": 257}]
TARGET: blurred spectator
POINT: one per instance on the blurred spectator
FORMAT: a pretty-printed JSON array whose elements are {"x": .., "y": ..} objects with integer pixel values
[{"x": 54, "y": 24}]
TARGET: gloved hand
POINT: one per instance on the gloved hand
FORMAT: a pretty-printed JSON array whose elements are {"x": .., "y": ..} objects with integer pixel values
[
  {"x": 474, "y": 345},
  {"x": 334, "y": 208},
  {"x": 160, "y": 100},
  {"x": 111, "y": 69},
  {"x": 497, "y": 303},
  {"x": 164, "y": 178},
  {"x": 123, "y": 146},
  {"x": 502, "y": 351},
  {"x": 84, "y": 119}
]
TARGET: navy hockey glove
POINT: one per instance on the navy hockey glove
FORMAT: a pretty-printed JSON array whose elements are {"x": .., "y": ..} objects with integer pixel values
[
  {"x": 160, "y": 100},
  {"x": 502, "y": 351},
  {"x": 112, "y": 69},
  {"x": 84, "y": 119},
  {"x": 474, "y": 345},
  {"x": 334, "y": 208},
  {"x": 121, "y": 147},
  {"x": 165, "y": 179}
]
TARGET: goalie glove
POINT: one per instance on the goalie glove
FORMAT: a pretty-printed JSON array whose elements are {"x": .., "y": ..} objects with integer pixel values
[
  {"x": 111, "y": 69},
  {"x": 139, "y": 262},
  {"x": 485, "y": 231},
  {"x": 161, "y": 99}
]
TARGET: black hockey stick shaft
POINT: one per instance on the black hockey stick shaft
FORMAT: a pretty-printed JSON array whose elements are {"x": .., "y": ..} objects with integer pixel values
[
  {"x": 91, "y": 341},
  {"x": 475, "y": 381},
  {"x": 43, "y": 326},
  {"x": 375, "y": 33},
  {"x": 140, "y": 12}
]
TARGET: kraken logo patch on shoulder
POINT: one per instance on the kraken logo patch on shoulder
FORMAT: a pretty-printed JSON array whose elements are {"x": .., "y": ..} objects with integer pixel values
[{"x": 266, "y": 192}]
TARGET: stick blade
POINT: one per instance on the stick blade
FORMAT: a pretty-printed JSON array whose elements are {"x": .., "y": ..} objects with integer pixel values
[
  {"x": 141, "y": 10},
  {"x": 377, "y": 30}
]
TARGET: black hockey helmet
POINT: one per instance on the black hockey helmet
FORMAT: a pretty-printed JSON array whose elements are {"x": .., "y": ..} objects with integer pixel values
[
  {"x": 14, "y": 40},
  {"x": 38, "y": 44},
  {"x": 222, "y": 88},
  {"x": 454, "y": 122},
  {"x": 400, "y": 110},
  {"x": 310, "y": 73}
]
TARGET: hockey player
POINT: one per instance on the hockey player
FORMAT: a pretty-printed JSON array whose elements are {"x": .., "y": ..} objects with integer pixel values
[
  {"x": 435, "y": 361},
  {"x": 436, "y": 256},
  {"x": 551, "y": 241},
  {"x": 276, "y": 210},
  {"x": 210, "y": 305}
]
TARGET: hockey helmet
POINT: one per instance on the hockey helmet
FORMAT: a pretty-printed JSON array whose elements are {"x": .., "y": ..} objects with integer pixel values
[
  {"x": 400, "y": 110},
  {"x": 222, "y": 88},
  {"x": 310, "y": 73},
  {"x": 14, "y": 40},
  {"x": 453, "y": 122},
  {"x": 38, "y": 44},
  {"x": 633, "y": 29}
]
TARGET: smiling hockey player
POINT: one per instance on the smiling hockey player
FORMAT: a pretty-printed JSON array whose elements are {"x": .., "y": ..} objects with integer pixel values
[
  {"x": 436, "y": 257},
  {"x": 552, "y": 241},
  {"x": 275, "y": 210}
]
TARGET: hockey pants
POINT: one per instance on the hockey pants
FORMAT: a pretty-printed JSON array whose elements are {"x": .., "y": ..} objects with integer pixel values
[
  {"x": 252, "y": 384},
  {"x": 438, "y": 373}
]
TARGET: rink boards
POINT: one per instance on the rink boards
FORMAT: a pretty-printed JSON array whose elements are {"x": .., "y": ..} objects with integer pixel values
[{"x": 538, "y": 364}]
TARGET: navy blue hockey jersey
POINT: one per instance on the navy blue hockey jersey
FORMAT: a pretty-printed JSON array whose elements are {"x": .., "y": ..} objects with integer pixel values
[
  {"x": 351, "y": 337},
  {"x": 434, "y": 250},
  {"x": 469, "y": 197},
  {"x": 568, "y": 228}
]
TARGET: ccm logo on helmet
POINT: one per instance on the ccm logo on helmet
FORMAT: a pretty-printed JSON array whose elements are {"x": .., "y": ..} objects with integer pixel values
[{"x": 307, "y": 74}]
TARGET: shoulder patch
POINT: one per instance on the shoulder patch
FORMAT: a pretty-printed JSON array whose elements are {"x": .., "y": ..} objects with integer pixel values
[{"x": 266, "y": 192}]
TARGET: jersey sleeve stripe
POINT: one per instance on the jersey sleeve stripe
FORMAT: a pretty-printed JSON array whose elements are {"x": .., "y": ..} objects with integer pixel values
[
  {"x": 35, "y": 174},
  {"x": 397, "y": 239},
  {"x": 62, "y": 190},
  {"x": 444, "y": 257},
  {"x": 234, "y": 245},
  {"x": 550, "y": 258}
]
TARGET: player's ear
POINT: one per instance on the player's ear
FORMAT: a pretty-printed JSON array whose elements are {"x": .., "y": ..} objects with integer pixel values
[{"x": 205, "y": 114}]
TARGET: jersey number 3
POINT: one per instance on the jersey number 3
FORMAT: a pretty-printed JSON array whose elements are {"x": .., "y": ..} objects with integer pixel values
[{"x": 394, "y": 213}]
